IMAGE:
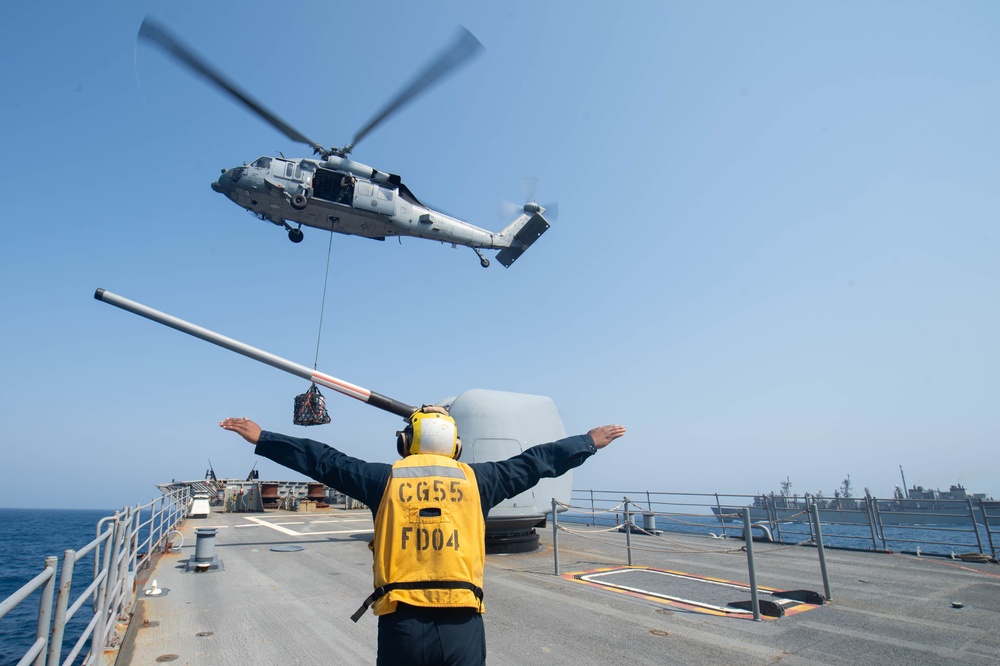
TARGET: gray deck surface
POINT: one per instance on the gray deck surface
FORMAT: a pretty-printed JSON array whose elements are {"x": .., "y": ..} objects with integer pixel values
[{"x": 267, "y": 607}]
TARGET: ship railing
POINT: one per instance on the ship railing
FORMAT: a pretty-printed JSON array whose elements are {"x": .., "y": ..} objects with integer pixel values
[
  {"x": 123, "y": 545},
  {"x": 858, "y": 523}
]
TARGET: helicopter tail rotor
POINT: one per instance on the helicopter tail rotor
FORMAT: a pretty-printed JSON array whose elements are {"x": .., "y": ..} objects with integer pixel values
[
  {"x": 530, "y": 206},
  {"x": 509, "y": 209}
]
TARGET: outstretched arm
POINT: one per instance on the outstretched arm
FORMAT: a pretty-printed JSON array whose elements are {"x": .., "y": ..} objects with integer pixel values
[
  {"x": 353, "y": 477},
  {"x": 243, "y": 427},
  {"x": 500, "y": 480}
]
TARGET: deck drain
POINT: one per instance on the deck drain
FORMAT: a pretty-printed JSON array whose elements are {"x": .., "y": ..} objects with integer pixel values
[
  {"x": 205, "y": 633},
  {"x": 167, "y": 657},
  {"x": 659, "y": 632},
  {"x": 287, "y": 549}
]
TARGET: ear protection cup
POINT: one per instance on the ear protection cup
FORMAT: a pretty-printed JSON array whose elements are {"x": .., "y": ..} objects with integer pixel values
[
  {"x": 458, "y": 448},
  {"x": 403, "y": 439}
]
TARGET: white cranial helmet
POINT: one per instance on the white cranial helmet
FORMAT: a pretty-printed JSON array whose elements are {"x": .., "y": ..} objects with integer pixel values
[{"x": 430, "y": 430}]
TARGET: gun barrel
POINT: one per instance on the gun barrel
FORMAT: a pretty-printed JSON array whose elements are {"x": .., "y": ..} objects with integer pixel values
[{"x": 352, "y": 390}]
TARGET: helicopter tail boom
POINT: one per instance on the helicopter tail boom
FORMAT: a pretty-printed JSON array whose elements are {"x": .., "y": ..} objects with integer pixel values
[{"x": 522, "y": 232}]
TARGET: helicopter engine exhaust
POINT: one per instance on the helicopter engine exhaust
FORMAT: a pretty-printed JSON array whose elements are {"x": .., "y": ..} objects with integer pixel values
[{"x": 351, "y": 390}]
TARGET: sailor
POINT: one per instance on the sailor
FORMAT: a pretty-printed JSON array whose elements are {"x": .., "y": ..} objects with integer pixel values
[
  {"x": 429, "y": 511},
  {"x": 346, "y": 189}
]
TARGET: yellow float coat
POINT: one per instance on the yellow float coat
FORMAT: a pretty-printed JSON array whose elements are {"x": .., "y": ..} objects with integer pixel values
[{"x": 430, "y": 536}]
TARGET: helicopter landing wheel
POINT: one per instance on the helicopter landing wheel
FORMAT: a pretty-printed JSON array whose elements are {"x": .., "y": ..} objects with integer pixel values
[
  {"x": 299, "y": 202},
  {"x": 483, "y": 261},
  {"x": 295, "y": 235}
]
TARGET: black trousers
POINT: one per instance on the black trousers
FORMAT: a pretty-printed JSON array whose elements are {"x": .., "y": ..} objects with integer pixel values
[{"x": 433, "y": 636}]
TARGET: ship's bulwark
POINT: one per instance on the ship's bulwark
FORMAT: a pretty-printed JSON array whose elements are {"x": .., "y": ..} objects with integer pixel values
[{"x": 266, "y": 607}]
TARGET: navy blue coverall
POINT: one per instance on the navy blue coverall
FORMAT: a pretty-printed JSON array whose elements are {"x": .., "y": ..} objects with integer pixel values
[{"x": 417, "y": 635}]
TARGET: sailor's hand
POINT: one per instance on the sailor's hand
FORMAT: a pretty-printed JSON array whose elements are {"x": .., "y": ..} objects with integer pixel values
[
  {"x": 604, "y": 435},
  {"x": 243, "y": 427}
]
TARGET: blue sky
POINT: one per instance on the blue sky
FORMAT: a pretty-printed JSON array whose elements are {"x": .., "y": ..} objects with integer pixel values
[{"x": 776, "y": 250}]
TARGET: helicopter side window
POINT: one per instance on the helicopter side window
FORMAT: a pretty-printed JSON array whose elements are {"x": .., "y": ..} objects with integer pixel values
[
  {"x": 263, "y": 163},
  {"x": 365, "y": 189},
  {"x": 289, "y": 170},
  {"x": 384, "y": 195}
]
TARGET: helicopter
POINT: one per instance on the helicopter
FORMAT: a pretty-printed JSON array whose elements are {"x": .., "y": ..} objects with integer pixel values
[{"x": 333, "y": 192}]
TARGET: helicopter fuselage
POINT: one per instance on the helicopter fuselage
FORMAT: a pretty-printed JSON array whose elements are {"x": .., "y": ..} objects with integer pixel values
[{"x": 343, "y": 196}]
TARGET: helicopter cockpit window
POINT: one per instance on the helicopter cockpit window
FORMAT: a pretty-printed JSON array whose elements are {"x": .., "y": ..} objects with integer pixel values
[{"x": 263, "y": 163}]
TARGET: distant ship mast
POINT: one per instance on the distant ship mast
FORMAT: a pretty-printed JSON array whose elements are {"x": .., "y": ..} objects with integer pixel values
[{"x": 786, "y": 487}]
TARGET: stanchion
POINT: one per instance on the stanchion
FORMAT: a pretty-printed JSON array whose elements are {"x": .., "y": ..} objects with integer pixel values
[
  {"x": 870, "y": 513},
  {"x": 748, "y": 539},
  {"x": 975, "y": 525},
  {"x": 44, "y": 624},
  {"x": 555, "y": 535},
  {"x": 628, "y": 532},
  {"x": 814, "y": 509},
  {"x": 62, "y": 605}
]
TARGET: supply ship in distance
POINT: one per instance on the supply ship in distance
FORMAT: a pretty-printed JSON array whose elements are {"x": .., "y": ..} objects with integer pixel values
[{"x": 919, "y": 506}]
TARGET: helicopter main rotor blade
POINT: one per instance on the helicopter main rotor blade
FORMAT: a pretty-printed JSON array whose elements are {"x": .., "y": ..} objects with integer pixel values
[
  {"x": 153, "y": 32},
  {"x": 465, "y": 47}
]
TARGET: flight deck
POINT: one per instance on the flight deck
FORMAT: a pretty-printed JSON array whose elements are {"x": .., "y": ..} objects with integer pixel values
[{"x": 289, "y": 581}]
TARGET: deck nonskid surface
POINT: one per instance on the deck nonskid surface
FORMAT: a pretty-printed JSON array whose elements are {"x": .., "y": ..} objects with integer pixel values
[{"x": 265, "y": 606}]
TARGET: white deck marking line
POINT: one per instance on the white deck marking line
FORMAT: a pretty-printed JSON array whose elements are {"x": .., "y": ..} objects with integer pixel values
[
  {"x": 284, "y": 530},
  {"x": 304, "y": 522},
  {"x": 279, "y": 528},
  {"x": 263, "y": 523},
  {"x": 371, "y": 531},
  {"x": 744, "y": 588}
]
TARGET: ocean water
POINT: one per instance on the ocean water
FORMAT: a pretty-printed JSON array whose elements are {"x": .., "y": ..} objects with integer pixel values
[{"x": 27, "y": 536}]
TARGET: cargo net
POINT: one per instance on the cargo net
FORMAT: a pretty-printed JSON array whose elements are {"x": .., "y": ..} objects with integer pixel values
[{"x": 310, "y": 408}]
